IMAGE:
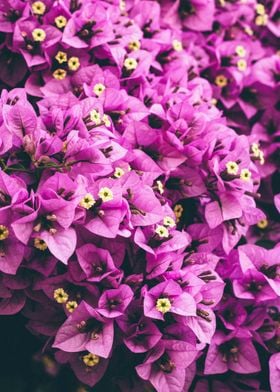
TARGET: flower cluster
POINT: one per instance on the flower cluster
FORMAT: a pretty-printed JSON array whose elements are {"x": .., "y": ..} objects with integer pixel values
[{"x": 139, "y": 188}]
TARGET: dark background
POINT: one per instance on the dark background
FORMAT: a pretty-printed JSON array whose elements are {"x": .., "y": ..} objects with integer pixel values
[{"x": 19, "y": 372}]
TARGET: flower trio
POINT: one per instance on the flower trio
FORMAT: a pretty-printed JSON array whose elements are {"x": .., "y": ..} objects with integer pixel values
[{"x": 139, "y": 190}]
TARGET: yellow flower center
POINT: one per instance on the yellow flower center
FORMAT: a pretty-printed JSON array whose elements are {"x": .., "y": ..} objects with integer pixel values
[
  {"x": 61, "y": 57},
  {"x": 106, "y": 120},
  {"x": 261, "y": 20},
  {"x": 122, "y": 5},
  {"x": 40, "y": 244},
  {"x": 262, "y": 224},
  {"x": 87, "y": 201},
  {"x": 178, "y": 211},
  {"x": 260, "y": 9},
  {"x": 130, "y": 63},
  {"x": 162, "y": 231},
  {"x": 255, "y": 149},
  {"x": 59, "y": 74},
  {"x": 91, "y": 360},
  {"x": 95, "y": 117},
  {"x": 261, "y": 157},
  {"x": 257, "y": 153},
  {"x": 160, "y": 187},
  {"x": 134, "y": 45},
  {"x": 105, "y": 194},
  {"x": 119, "y": 172},
  {"x": 245, "y": 174},
  {"x": 4, "y": 232},
  {"x": 60, "y": 21},
  {"x": 242, "y": 65},
  {"x": 38, "y": 35},
  {"x": 74, "y": 63},
  {"x": 98, "y": 89},
  {"x": 38, "y": 8},
  {"x": 71, "y": 306},
  {"x": 177, "y": 45},
  {"x": 232, "y": 168},
  {"x": 82, "y": 389},
  {"x": 168, "y": 221},
  {"x": 60, "y": 296},
  {"x": 240, "y": 51},
  {"x": 221, "y": 81},
  {"x": 163, "y": 305},
  {"x": 248, "y": 31},
  {"x": 48, "y": 362}
]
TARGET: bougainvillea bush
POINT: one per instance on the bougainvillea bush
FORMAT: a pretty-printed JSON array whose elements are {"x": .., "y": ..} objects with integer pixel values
[{"x": 139, "y": 190}]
